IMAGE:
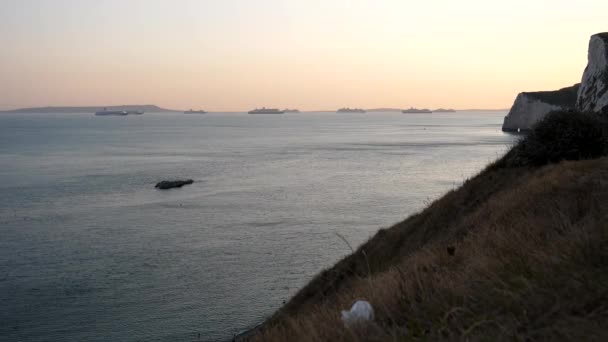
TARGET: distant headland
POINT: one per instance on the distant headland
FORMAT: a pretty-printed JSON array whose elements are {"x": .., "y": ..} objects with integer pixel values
[
  {"x": 90, "y": 109},
  {"x": 590, "y": 95}
]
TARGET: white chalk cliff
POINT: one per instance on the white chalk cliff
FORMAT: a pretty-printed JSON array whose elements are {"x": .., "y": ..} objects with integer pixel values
[
  {"x": 531, "y": 107},
  {"x": 593, "y": 93}
]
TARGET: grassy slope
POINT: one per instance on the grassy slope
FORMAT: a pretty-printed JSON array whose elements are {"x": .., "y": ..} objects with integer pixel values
[{"x": 531, "y": 261}]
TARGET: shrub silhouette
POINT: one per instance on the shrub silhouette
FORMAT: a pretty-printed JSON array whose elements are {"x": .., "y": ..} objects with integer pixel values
[{"x": 561, "y": 135}]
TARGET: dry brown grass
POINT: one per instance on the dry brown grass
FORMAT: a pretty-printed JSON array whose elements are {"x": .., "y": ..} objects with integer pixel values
[{"x": 530, "y": 263}]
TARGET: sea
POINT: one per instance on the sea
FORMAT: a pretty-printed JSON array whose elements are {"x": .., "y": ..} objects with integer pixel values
[{"x": 91, "y": 251}]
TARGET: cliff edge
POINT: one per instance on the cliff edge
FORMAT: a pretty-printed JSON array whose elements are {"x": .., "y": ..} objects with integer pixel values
[
  {"x": 531, "y": 107},
  {"x": 593, "y": 93}
]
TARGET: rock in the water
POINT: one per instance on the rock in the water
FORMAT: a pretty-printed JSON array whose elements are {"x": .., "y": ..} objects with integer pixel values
[
  {"x": 173, "y": 184},
  {"x": 531, "y": 107},
  {"x": 593, "y": 93}
]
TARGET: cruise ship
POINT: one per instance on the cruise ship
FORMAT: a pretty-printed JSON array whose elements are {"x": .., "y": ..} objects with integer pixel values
[
  {"x": 195, "y": 112},
  {"x": 413, "y": 110},
  {"x": 350, "y": 110},
  {"x": 105, "y": 111},
  {"x": 265, "y": 110}
]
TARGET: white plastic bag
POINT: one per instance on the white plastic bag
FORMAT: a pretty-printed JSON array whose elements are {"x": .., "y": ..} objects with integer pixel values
[{"x": 361, "y": 311}]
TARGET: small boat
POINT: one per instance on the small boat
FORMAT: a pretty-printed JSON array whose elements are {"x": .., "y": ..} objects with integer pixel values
[
  {"x": 135, "y": 112},
  {"x": 195, "y": 112},
  {"x": 413, "y": 110},
  {"x": 106, "y": 112},
  {"x": 351, "y": 110},
  {"x": 265, "y": 110}
]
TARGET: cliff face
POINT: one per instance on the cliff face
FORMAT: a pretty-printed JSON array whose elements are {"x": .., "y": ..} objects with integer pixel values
[
  {"x": 531, "y": 107},
  {"x": 593, "y": 93}
]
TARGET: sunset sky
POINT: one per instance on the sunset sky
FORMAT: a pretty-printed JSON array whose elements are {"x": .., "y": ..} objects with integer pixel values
[{"x": 224, "y": 55}]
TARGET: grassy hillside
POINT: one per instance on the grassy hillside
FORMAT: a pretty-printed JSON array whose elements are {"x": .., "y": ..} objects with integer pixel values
[{"x": 518, "y": 252}]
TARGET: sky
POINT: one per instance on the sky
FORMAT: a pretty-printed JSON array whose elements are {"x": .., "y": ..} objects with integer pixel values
[{"x": 233, "y": 55}]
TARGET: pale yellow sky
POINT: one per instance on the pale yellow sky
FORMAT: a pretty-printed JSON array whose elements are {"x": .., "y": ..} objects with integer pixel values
[{"x": 309, "y": 54}]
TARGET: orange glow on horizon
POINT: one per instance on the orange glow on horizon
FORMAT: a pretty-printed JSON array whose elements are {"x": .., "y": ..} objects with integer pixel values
[{"x": 311, "y": 55}]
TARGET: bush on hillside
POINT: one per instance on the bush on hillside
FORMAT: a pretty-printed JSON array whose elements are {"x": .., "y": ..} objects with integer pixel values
[{"x": 561, "y": 135}]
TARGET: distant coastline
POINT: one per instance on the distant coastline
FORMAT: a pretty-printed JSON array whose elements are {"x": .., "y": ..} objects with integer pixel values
[
  {"x": 156, "y": 109},
  {"x": 88, "y": 109},
  {"x": 484, "y": 110},
  {"x": 384, "y": 109}
]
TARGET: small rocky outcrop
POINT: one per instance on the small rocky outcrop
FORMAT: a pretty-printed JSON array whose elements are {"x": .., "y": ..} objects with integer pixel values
[
  {"x": 593, "y": 93},
  {"x": 531, "y": 107},
  {"x": 164, "y": 185}
]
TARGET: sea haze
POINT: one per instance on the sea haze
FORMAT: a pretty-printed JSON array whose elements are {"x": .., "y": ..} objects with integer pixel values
[{"x": 90, "y": 251}]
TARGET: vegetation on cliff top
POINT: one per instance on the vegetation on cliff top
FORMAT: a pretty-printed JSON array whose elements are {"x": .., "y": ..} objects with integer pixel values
[
  {"x": 518, "y": 252},
  {"x": 565, "y": 97},
  {"x": 561, "y": 136}
]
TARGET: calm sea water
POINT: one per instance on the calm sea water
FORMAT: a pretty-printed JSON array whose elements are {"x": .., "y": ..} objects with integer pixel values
[{"x": 90, "y": 251}]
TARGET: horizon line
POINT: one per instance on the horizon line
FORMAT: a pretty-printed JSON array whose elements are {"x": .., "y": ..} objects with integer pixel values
[{"x": 389, "y": 108}]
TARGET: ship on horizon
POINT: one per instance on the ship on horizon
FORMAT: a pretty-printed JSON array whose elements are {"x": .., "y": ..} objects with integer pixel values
[
  {"x": 413, "y": 110},
  {"x": 350, "y": 110},
  {"x": 191, "y": 111},
  {"x": 286, "y": 110},
  {"x": 265, "y": 110},
  {"x": 106, "y": 112}
]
